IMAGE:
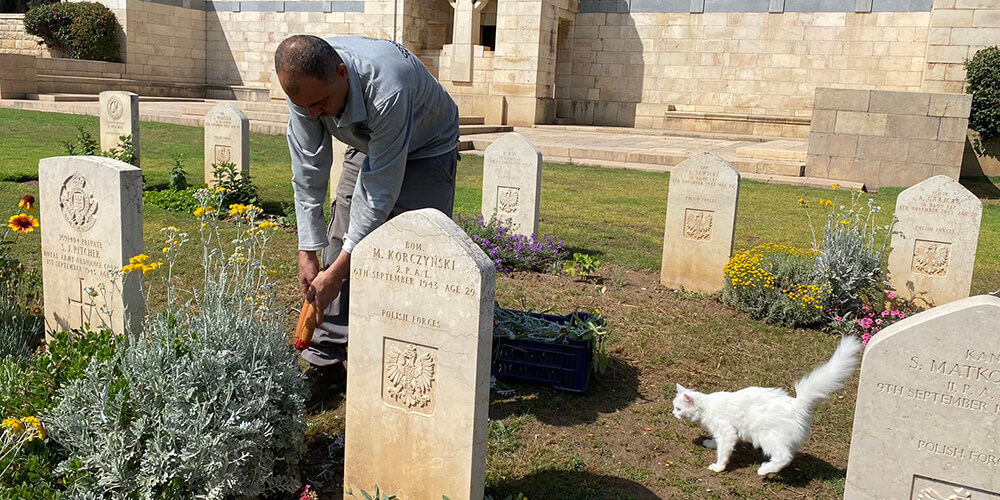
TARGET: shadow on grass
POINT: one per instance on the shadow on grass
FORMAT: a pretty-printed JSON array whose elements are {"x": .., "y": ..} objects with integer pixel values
[
  {"x": 982, "y": 187},
  {"x": 804, "y": 469},
  {"x": 571, "y": 485},
  {"x": 616, "y": 389}
]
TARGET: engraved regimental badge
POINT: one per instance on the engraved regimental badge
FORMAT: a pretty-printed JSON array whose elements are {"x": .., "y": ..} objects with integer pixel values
[{"x": 77, "y": 204}]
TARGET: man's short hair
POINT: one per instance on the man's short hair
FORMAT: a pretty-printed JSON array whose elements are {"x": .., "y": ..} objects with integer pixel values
[{"x": 306, "y": 55}]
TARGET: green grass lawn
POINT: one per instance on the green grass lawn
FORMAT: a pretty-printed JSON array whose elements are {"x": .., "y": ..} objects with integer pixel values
[
  {"x": 619, "y": 439},
  {"x": 617, "y": 215}
]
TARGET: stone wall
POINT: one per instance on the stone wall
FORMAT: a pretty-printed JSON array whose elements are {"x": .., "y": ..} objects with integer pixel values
[
  {"x": 884, "y": 138},
  {"x": 165, "y": 42},
  {"x": 14, "y": 40},
  {"x": 18, "y": 78},
  {"x": 958, "y": 29}
]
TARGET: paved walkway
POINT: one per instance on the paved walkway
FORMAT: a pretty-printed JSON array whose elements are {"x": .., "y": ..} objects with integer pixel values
[{"x": 779, "y": 160}]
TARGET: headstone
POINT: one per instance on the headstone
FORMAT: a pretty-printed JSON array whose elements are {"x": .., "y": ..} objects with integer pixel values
[
  {"x": 934, "y": 242},
  {"x": 227, "y": 139},
  {"x": 512, "y": 182},
  {"x": 928, "y": 412},
  {"x": 119, "y": 116},
  {"x": 701, "y": 218},
  {"x": 421, "y": 335},
  {"x": 91, "y": 212}
]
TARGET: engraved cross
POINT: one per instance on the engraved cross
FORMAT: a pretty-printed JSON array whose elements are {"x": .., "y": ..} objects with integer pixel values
[{"x": 84, "y": 317}]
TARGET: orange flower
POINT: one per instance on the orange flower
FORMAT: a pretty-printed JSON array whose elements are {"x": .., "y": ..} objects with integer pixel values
[
  {"x": 22, "y": 223},
  {"x": 27, "y": 203}
]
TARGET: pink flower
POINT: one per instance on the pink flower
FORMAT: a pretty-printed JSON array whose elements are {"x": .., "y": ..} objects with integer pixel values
[
  {"x": 895, "y": 313},
  {"x": 865, "y": 338},
  {"x": 901, "y": 315},
  {"x": 890, "y": 294},
  {"x": 885, "y": 313},
  {"x": 865, "y": 307},
  {"x": 865, "y": 323},
  {"x": 878, "y": 321},
  {"x": 838, "y": 319}
]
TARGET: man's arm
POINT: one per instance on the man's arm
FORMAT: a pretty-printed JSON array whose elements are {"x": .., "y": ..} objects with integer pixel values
[
  {"x": 311, "y": 151},
  {"x": 377, "y": 188}
]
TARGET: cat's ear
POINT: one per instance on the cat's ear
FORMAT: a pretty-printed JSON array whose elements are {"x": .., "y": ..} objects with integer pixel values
[
  {"x": 688, "y": 400},
  {"x": 681, "y": 389}
]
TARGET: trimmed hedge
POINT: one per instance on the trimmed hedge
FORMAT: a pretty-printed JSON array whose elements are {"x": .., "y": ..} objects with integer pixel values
[
  {"x": 983, "y": 74},
  {"x": 85, "y": 30}
]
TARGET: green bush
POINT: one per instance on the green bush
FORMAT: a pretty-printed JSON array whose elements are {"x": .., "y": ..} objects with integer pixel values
[
  {"x": 776, "y": 284},
  {"x": 983, "y": 75},
  {"x": 852, "y": 253},
  {"x": 175, "y": 201},
  {"x": 29, "y": 388},
  {"x": 85, "y": 30},
  {"x": 237, "y": 186},
  {"x": 209, "y": 403},
  {"x": 86, "y": 145}
]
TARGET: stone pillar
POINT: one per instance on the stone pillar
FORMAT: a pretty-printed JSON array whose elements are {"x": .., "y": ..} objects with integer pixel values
[{"x": 463, "y": 39}]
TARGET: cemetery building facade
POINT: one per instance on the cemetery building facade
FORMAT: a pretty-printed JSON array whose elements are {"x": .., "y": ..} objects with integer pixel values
[{"x": 735, "y": 66}]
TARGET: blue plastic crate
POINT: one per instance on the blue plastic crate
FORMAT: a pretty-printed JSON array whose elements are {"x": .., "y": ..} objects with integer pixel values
[{"x": 564, "y": 366}]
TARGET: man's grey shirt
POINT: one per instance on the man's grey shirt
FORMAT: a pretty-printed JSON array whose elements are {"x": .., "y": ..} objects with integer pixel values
[{"x": 395, "y": 110}]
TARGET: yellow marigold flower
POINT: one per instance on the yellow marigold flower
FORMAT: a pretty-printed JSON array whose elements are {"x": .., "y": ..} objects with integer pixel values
[
  {"x": 220, "y": 190},
  {"x": 237, "y": 209},
  {"x": 146, "y": 269},
  {"x": 266, "y": 224},
  {"x": 802, "y": 202},
  {"x": 22, "y": 223},
  {"x": 13, "y": 424},
  {"x": 270, "y": 272},
  {"x": 27, "y": 203},
  {"x": 166, "y": 249},
  {"x": 835, "y": 186},
  {"x": 200, "y": 211},
  {"x": 138, "y": 259},
  {"x": 39, "y": 428},
  {"x": 845, "y": 222}
]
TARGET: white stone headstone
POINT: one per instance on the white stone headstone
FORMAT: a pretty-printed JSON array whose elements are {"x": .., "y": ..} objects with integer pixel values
[
  {"x": 119, "y": 116},
  {"x": 91, "y": 220},
  {"x": 421, "y": 340},
  {"x": 512, "y": 182},
  {"x": 927, "y": 422},
  {"x": 701, "y": 219},
  {"x": 933, "y": 247},
  {"x": 227, "y": 139}
]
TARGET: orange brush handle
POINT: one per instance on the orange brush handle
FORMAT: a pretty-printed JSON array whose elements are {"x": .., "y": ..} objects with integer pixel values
[{"x": 305, "y": 327}]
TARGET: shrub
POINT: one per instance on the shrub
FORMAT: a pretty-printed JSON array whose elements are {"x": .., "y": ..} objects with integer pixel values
[
  {"x": 874, "y": 318},
  {"x": 852, "y": 253},
  {"x": 983, "y": 76},
  {"x": 178, "y": 177},
  {"x": 208, "y": 403},
  {"x": 85, "y": 30},
  {"x": 776, "y": 284},
  {"x": 511, "y": 251},
  {"x": 175, "y": 201},
  {"x": 86, "y": 145},
  {"x": 238, "y": 187},
  {"x": 29, "y": 388}
]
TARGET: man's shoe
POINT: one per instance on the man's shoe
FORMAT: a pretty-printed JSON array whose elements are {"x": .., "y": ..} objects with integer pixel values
[{"x": 321, "y": 380}]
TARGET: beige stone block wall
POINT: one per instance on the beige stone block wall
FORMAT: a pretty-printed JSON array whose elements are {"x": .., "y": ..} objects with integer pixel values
[
  {"x": 755, "y": 64},
  {"x": 240, "y": 46},
  {"x": 18, "y": 77},
  {"x": 164, "y": 43},
  {"x": 14, "y": 40},
  {"x": 958, "y": 29},
  {"x": 887, "y": 138}
]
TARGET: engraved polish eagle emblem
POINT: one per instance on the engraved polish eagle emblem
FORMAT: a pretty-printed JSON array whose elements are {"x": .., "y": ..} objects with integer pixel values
[
  {"x": 931, "y": 258},
  {"x": 410, "y": 376},
  {"x": 930, "y": 493}
]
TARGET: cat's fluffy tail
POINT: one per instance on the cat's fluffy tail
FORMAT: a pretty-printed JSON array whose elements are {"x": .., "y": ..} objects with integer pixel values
[{"x": 830, "y": 377}]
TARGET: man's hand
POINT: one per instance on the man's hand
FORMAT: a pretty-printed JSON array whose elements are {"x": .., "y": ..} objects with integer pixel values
[
  {"x": 308, "y": 270},
  {"x": 326, "y": 286}
]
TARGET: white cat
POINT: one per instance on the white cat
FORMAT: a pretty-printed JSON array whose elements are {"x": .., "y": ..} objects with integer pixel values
[{"x": 772, "y": 420}]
